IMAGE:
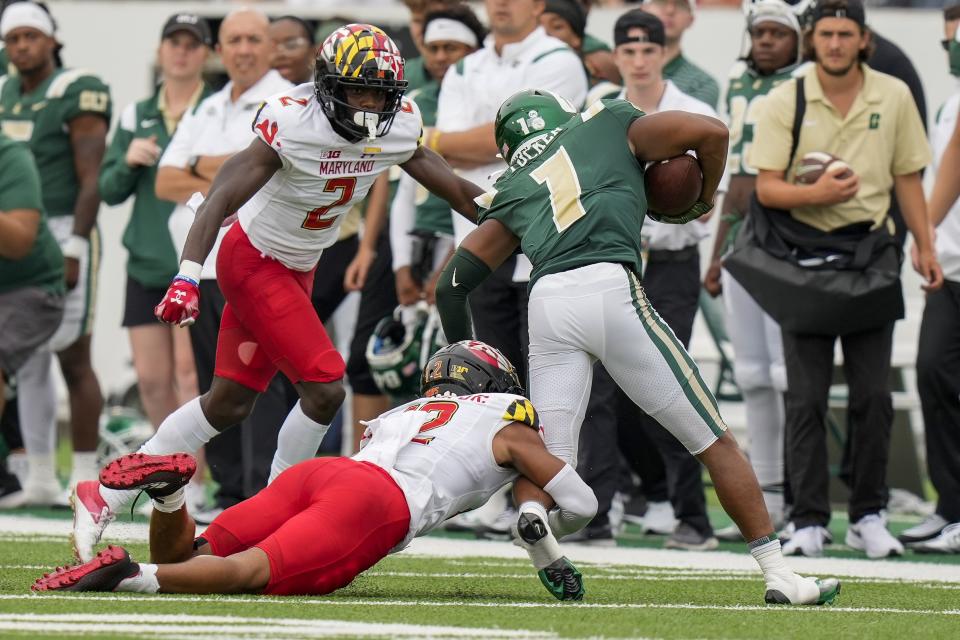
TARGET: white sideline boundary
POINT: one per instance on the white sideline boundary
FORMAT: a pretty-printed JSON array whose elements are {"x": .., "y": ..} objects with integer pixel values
[{"x": 32, "y": 528}]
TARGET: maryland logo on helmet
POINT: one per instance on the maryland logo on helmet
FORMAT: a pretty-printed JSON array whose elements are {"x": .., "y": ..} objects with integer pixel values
[
  {"x": 363, "y": 50},
  {"x": 359, "y": 55}
]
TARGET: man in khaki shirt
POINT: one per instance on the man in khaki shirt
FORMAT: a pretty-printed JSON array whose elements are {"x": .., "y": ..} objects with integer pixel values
[{"x": 869, "y": 120}]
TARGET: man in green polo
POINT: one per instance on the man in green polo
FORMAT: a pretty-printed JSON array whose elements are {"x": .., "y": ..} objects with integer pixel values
[{"x": 677, "y": 17}]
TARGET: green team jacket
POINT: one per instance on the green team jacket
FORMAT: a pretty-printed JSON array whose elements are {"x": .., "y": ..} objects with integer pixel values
[
  {"x": 152, "y": 259},
  {"x": 20, "y": 189}
]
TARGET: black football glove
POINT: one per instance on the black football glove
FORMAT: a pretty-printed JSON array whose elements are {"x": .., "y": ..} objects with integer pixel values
[{"x": 698, "y": 209}]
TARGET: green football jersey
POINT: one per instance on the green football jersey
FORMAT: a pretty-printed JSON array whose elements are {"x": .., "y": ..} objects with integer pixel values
[
  {"x": 575, "y": 196},
  {"x": 20, "y": 189},
  {"x": 433, "y": 213},
  {"x": 40, "y": 118},
  {"x": 745, "y": 92}
]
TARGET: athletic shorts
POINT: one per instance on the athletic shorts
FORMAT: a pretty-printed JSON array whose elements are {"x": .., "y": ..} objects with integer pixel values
[
  {"x": 321, "y": 523},
  {"x": 139, "y": 303},
  {"x": 28, "y": 317},
  {"x": 79, "y": 305},
  {"x": 269, "y": 322}
]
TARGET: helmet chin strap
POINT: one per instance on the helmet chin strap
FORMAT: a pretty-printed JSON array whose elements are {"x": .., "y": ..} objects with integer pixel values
[{"x": 369, "y": 120}]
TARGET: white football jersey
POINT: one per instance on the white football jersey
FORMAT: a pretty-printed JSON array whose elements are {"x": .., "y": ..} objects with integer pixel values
[
  {"x": 297, "y": 214},
  {"x": 448, "y": 467}
]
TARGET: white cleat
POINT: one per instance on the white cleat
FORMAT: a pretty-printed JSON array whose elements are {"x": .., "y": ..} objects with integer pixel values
[
  {"x": 798, "y": 590},
  {"x": 947, "y": 542},
  {"x": 870, "y": 534},
  {"x": 806, "y": 541},
  {"x": 91, "y": 515}
]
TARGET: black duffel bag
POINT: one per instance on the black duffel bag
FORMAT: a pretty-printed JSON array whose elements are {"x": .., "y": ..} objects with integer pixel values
[{"x": 814, "y": 282}]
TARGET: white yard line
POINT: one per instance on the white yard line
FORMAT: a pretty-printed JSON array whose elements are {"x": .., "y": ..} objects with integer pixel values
[
  {"x": 166, "y": 626},
  {"x": 28, "y": 527},
  {"x": 371, "y": 603}
]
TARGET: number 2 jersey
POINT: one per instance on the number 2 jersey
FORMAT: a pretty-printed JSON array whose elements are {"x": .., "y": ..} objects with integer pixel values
[
  {"x": 574, "y": 195},
  {"x": 298, "y": 212},
  {"x": 449, "y": 467}
]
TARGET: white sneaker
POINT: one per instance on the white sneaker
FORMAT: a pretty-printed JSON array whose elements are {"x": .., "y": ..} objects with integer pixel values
[
  {"x": 797, "y": 589},
  {"x": 947, "y": 542},
  {"x": 91, "y": 515},
  {"x": 931, "y": 527},
  {"x": 806, "y": 541},
  {"x": 45, "y": 494},
  {"x": 659, "y": 518},
  {"x": 870, "y": 534}
]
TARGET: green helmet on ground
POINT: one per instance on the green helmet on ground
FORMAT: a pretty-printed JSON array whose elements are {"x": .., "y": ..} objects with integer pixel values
[{"x": 528, "y": 114}]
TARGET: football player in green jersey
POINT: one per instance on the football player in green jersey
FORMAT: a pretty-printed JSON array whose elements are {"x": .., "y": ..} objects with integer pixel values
[
  {"x": 577, "y": 215},
  {"x": 771, "y": 56},
  {"x": 63, "y": 114}
]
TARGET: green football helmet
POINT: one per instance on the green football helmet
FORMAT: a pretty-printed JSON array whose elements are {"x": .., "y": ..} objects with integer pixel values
[
  {"x": 399, "y": 349},
  {"x": 528, "y": 114}
]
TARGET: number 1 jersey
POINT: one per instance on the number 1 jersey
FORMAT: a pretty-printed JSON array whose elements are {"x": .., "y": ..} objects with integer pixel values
[
  {"x": 297, "y": 214},
  {"x": 574, "y": 195}
]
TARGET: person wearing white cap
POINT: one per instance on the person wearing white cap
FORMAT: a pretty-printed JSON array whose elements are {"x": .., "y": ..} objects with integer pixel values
[
  {"x": 771, "y": 56},
  {"x": 421, "y": 230},
  {"x": 63, "y": 115}
]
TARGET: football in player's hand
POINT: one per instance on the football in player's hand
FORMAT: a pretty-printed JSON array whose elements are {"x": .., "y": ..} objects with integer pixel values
[
  {"x": 816, "y": 163},
  {"x": 673, "y": 185}
]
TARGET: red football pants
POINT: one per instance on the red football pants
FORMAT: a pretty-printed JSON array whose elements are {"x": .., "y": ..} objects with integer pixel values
[
  {"x": 269, "y": 322},
  {"x": 321, "y": 523}
]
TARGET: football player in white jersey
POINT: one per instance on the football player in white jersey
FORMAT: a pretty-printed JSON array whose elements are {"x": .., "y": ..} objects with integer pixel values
[
  {"x": 318, "y": 148},
  {"x": 325, "y": 520}
]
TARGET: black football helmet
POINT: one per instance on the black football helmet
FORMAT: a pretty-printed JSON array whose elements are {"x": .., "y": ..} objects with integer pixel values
[
  {"x": 469, "y": 367},
  {"x": 359, "y": 55}
]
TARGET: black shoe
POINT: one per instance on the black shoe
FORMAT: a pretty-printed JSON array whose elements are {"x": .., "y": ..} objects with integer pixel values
[{"x": 685, "y": 536}]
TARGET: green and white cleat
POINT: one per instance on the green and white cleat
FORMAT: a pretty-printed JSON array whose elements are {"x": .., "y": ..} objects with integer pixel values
[
  {"x": 802, "y": 591},
  {"x": 562, "y": 579}
]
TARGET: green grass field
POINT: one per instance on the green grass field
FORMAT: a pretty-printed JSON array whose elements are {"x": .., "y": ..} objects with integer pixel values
[{"x": 414, "y": 596}]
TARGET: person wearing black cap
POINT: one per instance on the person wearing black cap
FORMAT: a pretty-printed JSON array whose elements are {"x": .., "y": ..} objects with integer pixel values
[
  {"x": 567, "y": 20},
  {"x": 162, "y": 356},
  {"x": 868, "y": 119}
]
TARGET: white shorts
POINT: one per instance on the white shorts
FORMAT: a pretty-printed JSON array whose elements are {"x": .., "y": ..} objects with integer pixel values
[
  {"x": 81, "y": 300},
  {"x": 600, "y": 312}
]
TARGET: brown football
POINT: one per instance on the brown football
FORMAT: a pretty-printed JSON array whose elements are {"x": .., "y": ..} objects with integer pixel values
[
  {"x": 673, "y": 185},
  {"x": 814, "y": 164}
]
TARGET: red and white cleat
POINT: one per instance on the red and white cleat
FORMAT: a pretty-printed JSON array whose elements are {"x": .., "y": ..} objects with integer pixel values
[
  {"x": 158, "y": 476},
  {"x": 104, "y": 572},
  {"x": 91, "y": 515}
]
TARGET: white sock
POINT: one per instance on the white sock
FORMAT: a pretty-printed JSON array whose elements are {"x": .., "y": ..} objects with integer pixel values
[
  {"x": 42, "y": 468},
  {"x": 18, "y": 465},
  {"x": 85, "y": 467},
  {"x": 186, "y": 429},
  {"x": 172, "y": 502},
  {"x": 546, "y": 550},
  {"x": 769, "y": 556},
  {"x": 298, "y": 440},
  {"x": 144, "y": 582}
]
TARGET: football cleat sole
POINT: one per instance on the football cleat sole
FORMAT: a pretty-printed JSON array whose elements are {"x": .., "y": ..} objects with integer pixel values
[
  {"x": 103, "y": 573},
  {"x": 158, "y": 476},
  {"x": 563, "y": 580}
]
